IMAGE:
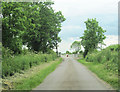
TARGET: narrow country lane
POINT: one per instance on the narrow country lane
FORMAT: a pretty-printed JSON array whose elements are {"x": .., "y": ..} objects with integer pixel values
[{"x": 71, "y": 75}]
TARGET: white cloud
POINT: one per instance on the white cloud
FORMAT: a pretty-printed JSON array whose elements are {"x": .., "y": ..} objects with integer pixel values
[
  {"x": 85, "y": 7},
  {"x": 74, "y": 38},
  {"x": 65, "y": 45},
  {"x": 110, "y": 40},
  {"x": 77, "y": 11}
]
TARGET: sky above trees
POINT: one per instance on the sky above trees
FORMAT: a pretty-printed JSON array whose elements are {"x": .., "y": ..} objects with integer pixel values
[{"x": 78, "y": 11}]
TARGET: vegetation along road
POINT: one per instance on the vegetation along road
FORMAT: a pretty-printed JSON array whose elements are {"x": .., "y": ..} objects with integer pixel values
[
  {"x": 72, "y": 75},
  {"x": 30, "y": 49}
]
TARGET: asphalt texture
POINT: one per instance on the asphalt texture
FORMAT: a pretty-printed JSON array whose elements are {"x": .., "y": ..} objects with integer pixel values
[{"x": 72, "y": 75}]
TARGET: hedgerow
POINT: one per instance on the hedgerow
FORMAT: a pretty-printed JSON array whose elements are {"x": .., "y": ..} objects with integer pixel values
[
  {"x": 107, "y": 56},
  {"x": 14, "y": 64}
]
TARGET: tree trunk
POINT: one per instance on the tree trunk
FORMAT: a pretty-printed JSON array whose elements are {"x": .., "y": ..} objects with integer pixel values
[{"x": 85, "y": 53}]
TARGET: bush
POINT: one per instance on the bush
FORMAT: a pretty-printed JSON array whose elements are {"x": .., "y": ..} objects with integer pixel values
[
  {"x": 23, "y": 62},
  {"x": 7, "y": 53},
  {"x": 99, "y": 57},
  {"x": 107, "y": 56},
  {"x": 89, "y": 58},
  {"x": 25, "y": 51}
]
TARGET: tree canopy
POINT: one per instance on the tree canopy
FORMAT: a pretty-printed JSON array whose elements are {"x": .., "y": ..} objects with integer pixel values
[
  {"x": 76, "y": 46},
  {"x": 34, "y": 24},
  {"x": 68, "y": 52},
  {"x": 93, "y": 35}
]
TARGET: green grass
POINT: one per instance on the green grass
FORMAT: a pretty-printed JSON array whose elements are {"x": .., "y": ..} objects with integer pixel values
[
  {"x": 12, "y": 65},
  {"x": 104, "y": 64},
  {"x": 33, "y": 80},
  {"x": 100, "y": 70}
]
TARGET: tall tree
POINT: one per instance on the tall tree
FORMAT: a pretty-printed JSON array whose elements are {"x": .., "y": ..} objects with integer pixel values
[
  {"x": 34, "y": 24},
  {"x": 93, "y": 35},
  {"x": 43, "y": 36},
  {"x": 76, "y": 46},
  {"x": 12, "y": 25}
]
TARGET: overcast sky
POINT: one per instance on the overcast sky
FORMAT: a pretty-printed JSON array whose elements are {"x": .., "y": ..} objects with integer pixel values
[{"x": 78, "y": 11}]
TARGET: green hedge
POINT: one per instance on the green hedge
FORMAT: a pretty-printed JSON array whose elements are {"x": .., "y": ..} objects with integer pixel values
[
  {"x": 14, "y": 64},
  {"x": 108, "y": 57}
]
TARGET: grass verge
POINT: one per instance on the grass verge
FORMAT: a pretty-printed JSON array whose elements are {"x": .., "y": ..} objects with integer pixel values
[
  {"x": 32, "y": 77},
  {"x": 101, "y": 72}
]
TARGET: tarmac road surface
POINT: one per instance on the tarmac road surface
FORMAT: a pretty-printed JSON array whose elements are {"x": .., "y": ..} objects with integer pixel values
[{"x": 72, "y": 75}]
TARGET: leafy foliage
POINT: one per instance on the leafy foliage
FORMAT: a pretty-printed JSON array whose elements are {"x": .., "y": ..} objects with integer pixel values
[
  {"x": 12, "y": 25},
  {"x": 23, "y": 62},
  {"x": 67, "y": 52},
  {"x": 76, "y": 45},
  {"x": 6, "y": 53},
  {"x": 34, "y": 24},
  {"x": 93, "y": 35},
  {"x": 107, "y": 57},
  {"x": 105, "y": 64}
]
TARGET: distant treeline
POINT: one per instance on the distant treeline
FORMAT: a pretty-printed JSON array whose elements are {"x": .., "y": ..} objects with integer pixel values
[{"x": 34, "y": 24}]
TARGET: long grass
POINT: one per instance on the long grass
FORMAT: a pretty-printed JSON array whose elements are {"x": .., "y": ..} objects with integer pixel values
[
  {"x": 15, "y": 64},
  {"x": 32, "y": 81},
  {"x": 101, "y": 72},
  {"x": 104, "y": 64}
]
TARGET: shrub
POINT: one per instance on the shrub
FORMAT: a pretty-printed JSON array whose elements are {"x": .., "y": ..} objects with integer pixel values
[
  {"x": 99, "y": 57},
  {"x": 23, "y": 62},
  {"x": 107, "y": 56},
  {"x": 89, "y": 58},
  {"x": 6, "y": 52}
]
